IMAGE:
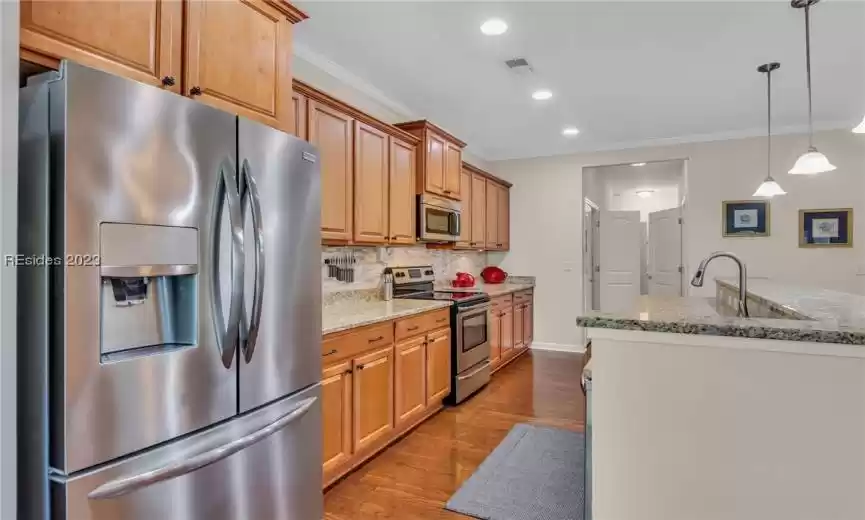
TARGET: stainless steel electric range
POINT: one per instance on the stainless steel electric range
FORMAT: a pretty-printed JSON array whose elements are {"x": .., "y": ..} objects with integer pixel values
[{"x": 470, "y": 328}]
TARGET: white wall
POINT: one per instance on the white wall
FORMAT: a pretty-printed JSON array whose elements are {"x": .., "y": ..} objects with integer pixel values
[
  {"x": 8, "y": 222},
  {"x": 546, "y": 217},
  {"x": 664, "y": 197}
]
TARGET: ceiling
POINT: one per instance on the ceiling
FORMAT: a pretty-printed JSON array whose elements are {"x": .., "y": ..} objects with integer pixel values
[{"x": 626, "y": 74}]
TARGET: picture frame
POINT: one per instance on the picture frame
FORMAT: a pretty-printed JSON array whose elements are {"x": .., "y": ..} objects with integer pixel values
[
  {"x": 745, "y": 218},
  {"x": 826, "y": 227}
]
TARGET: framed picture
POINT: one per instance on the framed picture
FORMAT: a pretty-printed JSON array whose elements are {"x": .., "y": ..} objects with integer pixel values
[
  {"x": 826, "y": 227},
  {"x": 745, "y": 218}
]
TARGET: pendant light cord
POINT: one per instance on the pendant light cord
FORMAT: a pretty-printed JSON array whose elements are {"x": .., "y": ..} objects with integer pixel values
[
  {"x": 808, "y": 71},
  {"x": 769, "y": 123}
]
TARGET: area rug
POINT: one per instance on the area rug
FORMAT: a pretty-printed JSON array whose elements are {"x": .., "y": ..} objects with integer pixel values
[{"x": 536, "y": 473}]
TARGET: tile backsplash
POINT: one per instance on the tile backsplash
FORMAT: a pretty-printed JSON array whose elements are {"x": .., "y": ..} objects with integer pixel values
[{"x": 371, "y": 261}]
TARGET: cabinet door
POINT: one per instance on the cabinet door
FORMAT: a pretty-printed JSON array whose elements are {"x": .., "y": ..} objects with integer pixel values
[
  {"x": 507, "y": 333},
  {"x": 519, "y": 313},
  {"x": 528, "y": 324},
  {"x": 453, "y": 170},
  {"x": 438, "y": 365},
  {"x": 140, "y": 40},
  {"x": 496, "y": 338},
  {"x": 336, "y": 389},
  {"x": 410, "y": 379},
  {"x": 492, "y": 215},
  {"x": 371, "y": 164},
  {"x": 478, "y": 203},
  {"x": 330, "y": 131},
  {"x": 465, "y": 240},
  {"x": 238, "y": 58},
  {"x": 434, "y": 170},
  {"x": 373, "y": 397},
  {"x": 402, "y": 196},
  {"x": 503, "y": 241},
  {"x": 298, "y": 104}
]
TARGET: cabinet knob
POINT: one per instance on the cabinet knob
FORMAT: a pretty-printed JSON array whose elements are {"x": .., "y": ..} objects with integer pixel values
[
  {"x": 195, "y": 91},
  {"x": 168, "y": 81}
]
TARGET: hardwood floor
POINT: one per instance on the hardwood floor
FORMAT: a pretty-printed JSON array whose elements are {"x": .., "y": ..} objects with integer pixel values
[{"x": 415, "y": 477}]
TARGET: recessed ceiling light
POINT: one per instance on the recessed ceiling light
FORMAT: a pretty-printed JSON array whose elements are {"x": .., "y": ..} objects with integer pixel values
[
  {"x": 570, "y": 131},
  {"x": 494, "y": 27},
  {"x": 638, "y": 164},
  {"x": 645, "y": 194},
  {"x": 542, "y": 94}
]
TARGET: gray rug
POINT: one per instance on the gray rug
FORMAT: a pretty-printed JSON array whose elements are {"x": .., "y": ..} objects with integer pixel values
[{"x": 536, "y": 473}]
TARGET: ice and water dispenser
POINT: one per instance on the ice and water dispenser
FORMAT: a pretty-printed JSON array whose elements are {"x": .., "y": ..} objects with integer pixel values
[{"x": 149, "y": 281}]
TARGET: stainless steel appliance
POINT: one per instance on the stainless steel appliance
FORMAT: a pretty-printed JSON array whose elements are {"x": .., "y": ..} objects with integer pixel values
[
  {"x": 438, "y": 219},
  {"x": 170, "y": 336},
  {"x": 471, "y": 324}
]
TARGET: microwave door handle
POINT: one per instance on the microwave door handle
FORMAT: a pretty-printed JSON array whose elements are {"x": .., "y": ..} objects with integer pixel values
[
  {"x": 183, "y": 466},
  {"x": 251, "y": 193},
  {"x": 227, "y": 331},
  {"x": 454, "y": 223}
]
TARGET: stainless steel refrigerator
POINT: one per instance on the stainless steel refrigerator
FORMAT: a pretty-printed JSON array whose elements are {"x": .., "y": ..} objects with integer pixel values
[{"x": 169, "y": 308}]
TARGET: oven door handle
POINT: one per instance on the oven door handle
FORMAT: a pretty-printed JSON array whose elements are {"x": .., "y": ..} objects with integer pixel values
[
  {"x": 474, "y": 372},
  {"x": 482, "y": 307}
]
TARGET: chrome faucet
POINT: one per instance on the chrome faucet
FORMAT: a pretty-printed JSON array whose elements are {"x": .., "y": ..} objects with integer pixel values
[{"x": 697, "y": 281}]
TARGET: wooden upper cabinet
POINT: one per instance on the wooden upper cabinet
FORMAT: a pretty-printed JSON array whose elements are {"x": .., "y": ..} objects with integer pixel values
[
  {"x": 238, "y": 57},
  {"x": 492, "y": 215},
  {"x": 438, "y": 365},
  {"x": 453, "y": 171},
  {"x": 410, "y": 380},
  {"x": 373, "y": 397},
  {"x": 336, "y": 404},
  {"x": 141, "y": 40},
  {"x": 402, "y": 196},
  {"x": 435, "y": 164},
  {"x": 466, "y": 215},
  {"x": 440, "y": 161},
  {"x": 504, "y": 218},
  {"x": 298, "y": 106},
  {"x": 331, "y": 131},
  {"x": 371, "y": 179},
  {"x": 478, "y": 204}
]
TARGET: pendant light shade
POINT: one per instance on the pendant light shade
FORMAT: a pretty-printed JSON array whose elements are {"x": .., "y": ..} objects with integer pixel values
[
  {"x": 769, "y": 188},
  {"x": 812, "y": 161},
  {"x": 860, "y": 129}
]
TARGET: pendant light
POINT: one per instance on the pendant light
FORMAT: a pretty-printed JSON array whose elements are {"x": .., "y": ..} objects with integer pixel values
[
  {"x": 860, "y": 129},
  {"x": 812, "y": 161},
  {"x": 770, "y": 187}
]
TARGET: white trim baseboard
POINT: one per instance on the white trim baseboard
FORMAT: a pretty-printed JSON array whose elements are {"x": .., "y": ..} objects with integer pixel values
[{"x": 558, "y": 347}]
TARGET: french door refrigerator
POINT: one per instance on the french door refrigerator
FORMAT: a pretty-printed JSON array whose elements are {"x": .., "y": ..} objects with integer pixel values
[{"x": 169, "y": 308}]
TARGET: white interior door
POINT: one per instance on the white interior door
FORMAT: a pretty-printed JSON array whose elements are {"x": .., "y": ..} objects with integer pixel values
[
  {"x": 665, "y": 253},
  {"x": 619, "y": 259}
]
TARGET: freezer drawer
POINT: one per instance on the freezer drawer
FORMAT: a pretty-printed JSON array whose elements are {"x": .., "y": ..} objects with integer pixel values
[{"x": 262, "y": 466}]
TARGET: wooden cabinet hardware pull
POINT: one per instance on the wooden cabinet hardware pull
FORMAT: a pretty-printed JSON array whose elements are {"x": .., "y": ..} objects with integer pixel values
[
  {"x": 413, "y": 328},
  {"x": 373, "y": 340},
  {"x": 441, "y": 320},
  {"x": 360, "y": 367},
  {"x": 331, "y": 352},
  {"x": 195, "y": 91},
  {"x": 168, "y": 81}
]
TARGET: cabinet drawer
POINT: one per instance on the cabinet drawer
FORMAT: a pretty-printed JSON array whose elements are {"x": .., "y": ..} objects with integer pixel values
[
  {"x": 351, "y": 343},
  {"x": 523, "y": 297},
  {"x": 502, "y": 302},
  {"x": 416, "y": 325}
]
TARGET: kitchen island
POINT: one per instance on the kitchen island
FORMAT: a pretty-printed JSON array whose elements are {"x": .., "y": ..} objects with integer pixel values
[{"x": 699, "y": 414}]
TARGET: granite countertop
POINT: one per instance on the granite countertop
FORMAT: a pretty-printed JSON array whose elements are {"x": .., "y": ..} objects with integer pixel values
[
  {"x": 833, "y": 317},
  {"x": 348, "y": 314}
]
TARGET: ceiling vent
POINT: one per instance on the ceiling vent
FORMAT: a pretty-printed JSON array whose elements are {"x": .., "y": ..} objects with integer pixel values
[{"x": 519, "y": 65}]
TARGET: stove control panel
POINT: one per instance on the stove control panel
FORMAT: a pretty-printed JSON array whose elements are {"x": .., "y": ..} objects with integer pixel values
[{"x": 414, "y": 274}]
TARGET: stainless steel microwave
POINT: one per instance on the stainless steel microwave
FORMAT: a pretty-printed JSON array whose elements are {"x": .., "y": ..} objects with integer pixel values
[{"x": 438, "y": 219}]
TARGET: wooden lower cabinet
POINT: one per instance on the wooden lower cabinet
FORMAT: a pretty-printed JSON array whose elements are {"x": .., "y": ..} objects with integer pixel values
[
  {"x": 373, "y": 397},
  {"x": 519, "y": 313},
  {"x": 495, "y": 339},
  {"x": 507, "y": 339},
  {"x": 438, "y": 364},
  {"x": 336, "y": 405},
  {"x": 410, "y": 381},
  {"x": 528, "y": 325}
]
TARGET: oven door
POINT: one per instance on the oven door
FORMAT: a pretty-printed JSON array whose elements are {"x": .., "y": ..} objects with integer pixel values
[
  {"x": 439, "y": 224},
  {"x": 473, "y": 336}
]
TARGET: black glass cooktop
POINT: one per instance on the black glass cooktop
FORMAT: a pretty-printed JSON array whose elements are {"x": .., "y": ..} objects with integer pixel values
[{"x": 457, "y": 297}]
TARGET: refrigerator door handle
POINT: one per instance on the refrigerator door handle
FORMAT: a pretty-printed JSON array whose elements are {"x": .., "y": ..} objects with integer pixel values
[
  {"x": 177, "y": 468},
  {"x": 250, "y": 193},
  {"x": 227, "y": 332}
]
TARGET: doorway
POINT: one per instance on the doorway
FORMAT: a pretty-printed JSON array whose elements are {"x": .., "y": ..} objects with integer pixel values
[{"x": 633, "y": 221}]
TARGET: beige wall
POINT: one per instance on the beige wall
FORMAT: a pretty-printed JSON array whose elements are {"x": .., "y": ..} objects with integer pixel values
[
  {"x": 8, "y": 223},
  {"x": 546, "y": 223}
]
